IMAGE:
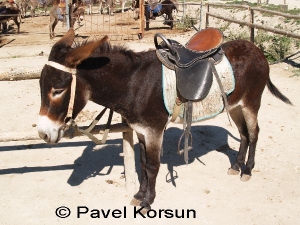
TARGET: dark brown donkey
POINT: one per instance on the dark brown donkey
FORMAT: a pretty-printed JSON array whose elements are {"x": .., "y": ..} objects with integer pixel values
[
  {"x": 8, "y": 13},
  {"x": 130, "y": 83}
]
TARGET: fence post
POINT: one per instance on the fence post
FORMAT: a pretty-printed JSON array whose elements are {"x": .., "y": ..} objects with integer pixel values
[
  {"x": 142, "y": 19},
  {"x": 68, "y": 14},
  {"x": 206, "y": 18},
  {"x": 200, "y": 19},
  {"x": 252, "y": 28}
]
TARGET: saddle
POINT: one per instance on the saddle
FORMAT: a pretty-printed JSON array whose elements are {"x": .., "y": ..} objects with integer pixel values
[
  {"x": 154, "y": 7},
  {"x": 194, "y": 67},
  {"x": 191, "y": 62}
]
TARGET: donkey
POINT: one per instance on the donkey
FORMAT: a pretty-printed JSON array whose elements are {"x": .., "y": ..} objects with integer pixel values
[
  {"x": 130, "y": 83},
  {"x": 164, "y": 8},
  {"x": 39, "y": 3},
  {"x": 109, "y": 4},
  {"x": 56, "y": 15},
  {"x": 23, "y": 6},
  {"x": 9, "y": 13}
]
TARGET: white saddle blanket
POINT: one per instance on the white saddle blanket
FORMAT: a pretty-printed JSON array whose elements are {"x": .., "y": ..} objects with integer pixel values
[{"x": 212, "y": 105}]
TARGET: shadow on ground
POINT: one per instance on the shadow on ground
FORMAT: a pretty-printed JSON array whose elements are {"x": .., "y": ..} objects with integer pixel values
[{"x": 94, "y": 160}]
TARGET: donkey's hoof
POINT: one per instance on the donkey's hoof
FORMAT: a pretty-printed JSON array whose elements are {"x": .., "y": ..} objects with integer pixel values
[
  {"x": 145, "y": 210},
  {"x": 232, "y": 172},
  {"x": 245, "y": 177},
  {"x": 135, "y": 202}
]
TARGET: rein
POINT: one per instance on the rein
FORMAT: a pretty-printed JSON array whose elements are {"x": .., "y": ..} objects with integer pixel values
[{"x": 69, "y": 121}]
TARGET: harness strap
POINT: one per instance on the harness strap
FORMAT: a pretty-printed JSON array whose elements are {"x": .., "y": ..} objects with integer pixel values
[
  {"x": 212, "y": 65},
  {"x": 87, "y": 131},
  {"x": 188, "y": 109}
]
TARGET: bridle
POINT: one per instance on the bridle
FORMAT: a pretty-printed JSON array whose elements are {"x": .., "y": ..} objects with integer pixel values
[{"x": 69, "y": 121}]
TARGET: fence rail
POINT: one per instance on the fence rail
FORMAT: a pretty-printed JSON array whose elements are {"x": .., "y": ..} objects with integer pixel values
[{"x": 251, "y": 24}]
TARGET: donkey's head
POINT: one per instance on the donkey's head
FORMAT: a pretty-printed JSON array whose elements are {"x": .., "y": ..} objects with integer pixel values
[{"x": 63, "y": 94}]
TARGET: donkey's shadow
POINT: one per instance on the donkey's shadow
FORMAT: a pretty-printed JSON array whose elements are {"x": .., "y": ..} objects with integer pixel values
[
  {"x": 205, "y": 139},
  {"x": 92, "y": 162}
]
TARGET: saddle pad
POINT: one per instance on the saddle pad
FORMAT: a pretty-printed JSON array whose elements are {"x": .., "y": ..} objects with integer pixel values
[
  {"x": 157, "y": 9},
  {"x": 209, "y": 107}
]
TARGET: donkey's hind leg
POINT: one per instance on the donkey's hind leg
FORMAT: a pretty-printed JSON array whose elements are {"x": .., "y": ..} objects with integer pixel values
[
  {"x": 246, "y": 120},
  {"x": 238, "y": 118},
  {"x": 15, "y": 19},
  {"x": 52, "y": 26},
  {"x": 250, "y": 115}
]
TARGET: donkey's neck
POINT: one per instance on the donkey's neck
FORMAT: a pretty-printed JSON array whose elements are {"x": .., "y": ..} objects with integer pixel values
[{"x": 116, "y": 82}]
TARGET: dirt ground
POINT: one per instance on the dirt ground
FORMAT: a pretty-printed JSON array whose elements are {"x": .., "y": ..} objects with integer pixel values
[{"x": 36, "y": 178}]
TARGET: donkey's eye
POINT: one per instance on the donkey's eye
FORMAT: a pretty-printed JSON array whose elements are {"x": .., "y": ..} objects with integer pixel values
[{"x": 57, "y": 92}]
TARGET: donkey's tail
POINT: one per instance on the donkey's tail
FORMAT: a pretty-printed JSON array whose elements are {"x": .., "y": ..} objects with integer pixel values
[{"x": 274, "y": 90}]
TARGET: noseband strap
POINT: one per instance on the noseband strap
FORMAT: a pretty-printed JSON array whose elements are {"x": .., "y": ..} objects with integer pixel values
[{"x": 68, "y": 118}]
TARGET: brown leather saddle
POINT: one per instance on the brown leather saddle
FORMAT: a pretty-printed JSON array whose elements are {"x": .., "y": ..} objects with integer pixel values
[{"x": 191, "y": 62}]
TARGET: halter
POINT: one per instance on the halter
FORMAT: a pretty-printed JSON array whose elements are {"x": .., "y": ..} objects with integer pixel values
[
  {"x": 69, "y": 122},
  {"x": 68, "y": 119}
]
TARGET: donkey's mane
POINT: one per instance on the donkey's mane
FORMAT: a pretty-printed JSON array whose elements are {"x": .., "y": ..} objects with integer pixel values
[{"x": 106, "y": 48}]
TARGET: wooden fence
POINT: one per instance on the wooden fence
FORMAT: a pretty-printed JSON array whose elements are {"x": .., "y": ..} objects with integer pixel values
[{"x": 251, "y": 22}]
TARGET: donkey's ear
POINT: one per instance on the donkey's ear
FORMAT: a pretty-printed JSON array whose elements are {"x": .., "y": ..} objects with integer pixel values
[
  {"x": 81, "y": 53},
  {"x": 67, "y": 40}
]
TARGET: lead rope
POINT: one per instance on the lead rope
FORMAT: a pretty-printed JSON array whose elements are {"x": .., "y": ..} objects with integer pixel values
[{"x": 88, "y": 130}]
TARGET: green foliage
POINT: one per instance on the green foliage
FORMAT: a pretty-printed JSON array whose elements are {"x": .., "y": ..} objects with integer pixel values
[
  {"x": 297, "y": 43},
  {"x": 294, "y": 11},
  {"x": 225, "y": 26},
  {"x": 275, "y": 47},
  {"x": 261, "y": 38},
  {"x": 188, "y": 21},
  {"x": 296, "y": 73},
  {"x": 280, "y": 47},
  {"x": 236, "y": 2},
  {"x": 185, "y": 23},
  {"x": 240, "y": 35}
]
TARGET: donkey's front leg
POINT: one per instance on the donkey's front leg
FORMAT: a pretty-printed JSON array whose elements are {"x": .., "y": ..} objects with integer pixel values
[
  {"x": 150, "y": 163},
  {"x": 140, "y": 195}
]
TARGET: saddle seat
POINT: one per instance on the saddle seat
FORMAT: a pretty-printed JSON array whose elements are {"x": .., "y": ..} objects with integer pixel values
[{"x": 205, "y": 40}]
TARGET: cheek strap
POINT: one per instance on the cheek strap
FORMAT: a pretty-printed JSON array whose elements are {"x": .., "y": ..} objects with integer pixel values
[{"x": 68, "y": 118}]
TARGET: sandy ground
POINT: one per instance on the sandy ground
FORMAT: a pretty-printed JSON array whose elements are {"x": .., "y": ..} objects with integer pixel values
[{"x": 36, "y": 178}]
